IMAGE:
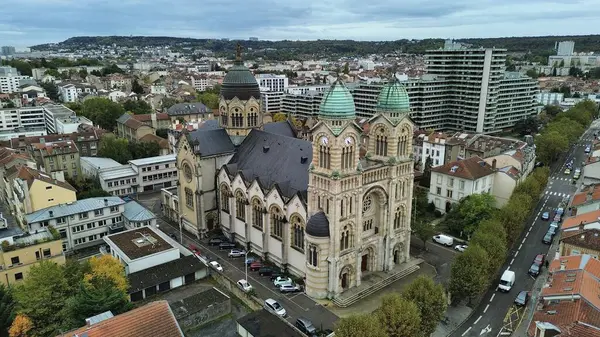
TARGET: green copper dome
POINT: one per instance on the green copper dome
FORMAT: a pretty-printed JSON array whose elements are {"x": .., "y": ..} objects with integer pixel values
[
  {"x": 393, "y": 98},
  {"x": 337, "y": 103}
]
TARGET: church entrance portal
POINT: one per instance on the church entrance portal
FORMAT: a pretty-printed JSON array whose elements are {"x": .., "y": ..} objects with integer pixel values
[
  {"x": 398, "y": 253},
  {"x": 345, "y": 280},
  {"x": 364, "y": 262}
]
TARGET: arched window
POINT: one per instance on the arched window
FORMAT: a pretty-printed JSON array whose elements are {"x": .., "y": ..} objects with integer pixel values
[
  {"x": 252, "y": 119},
  {"x": 312, "y": 257},
  {"x": 348, "y": 154},
  {"x": 277, "y": 220},
  {"x": 224, "y": 115},
  {"x": 324, "y": 155},
  {"x": 240, "y": 205},
  {"x": 400, "y": 218},
  {"x": 257, "y": 214},
  {"x": 346, "y": 238},
  {"x": 403, "y": 146},
  {"x": 297, "y": 232},
  {"x": 225, "y": 198},
  {"x": 381, "y": 143},
  {"x": 189, "y": 198}
]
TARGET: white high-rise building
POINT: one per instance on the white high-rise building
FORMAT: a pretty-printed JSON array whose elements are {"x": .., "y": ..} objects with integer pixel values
[
  {"x": 10, "y": 80},
  {"x": 565, "y": 48},
  {"x": 273, "y": 82}
]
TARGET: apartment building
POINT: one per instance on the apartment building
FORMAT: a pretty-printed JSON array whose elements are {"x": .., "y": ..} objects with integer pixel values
[
  {"x": 53, "y": 113},
  {"x": 117, "y": 81},
  {"x": 34, "y": 190},
  {"x": 71, "y": 92},
  {"x": 277, "y": 83},
  {"x": 57, "y": 156},
  {"x": 11, "y": 79},
  {"x": 132, "y": 129},
  {"x": 190, "y": 112},
  {"x": 271, "y": 101},
  {"x": 155, "y": 173},
  {"x": 20, "y": 251},
  {"x": 30, "y": 117},
  {"x": 517, "y": 100},
  {"x": 86, "y": 141},
  {"x": 303, "y": 105},
  {"x": 84, "y": 223},
  {"x": 201, "y": 82}
]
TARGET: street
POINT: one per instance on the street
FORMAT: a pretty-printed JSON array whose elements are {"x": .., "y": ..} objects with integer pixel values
[
  {"x": 296, "y": 304},
  {"x": 487, "y": 318}
]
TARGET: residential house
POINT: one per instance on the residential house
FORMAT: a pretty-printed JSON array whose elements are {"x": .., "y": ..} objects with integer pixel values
[
  {"x": 153, "y": 261},
  {"x": 263, "y": 323},
  {"x": 152, "y": 319},
  {"x": 164, "y": 147},
  {"x": 20, "y": 251},
  {"x": 11, "y": 159},
  {"x": 83, "y": 223},
  {"x": 155, "y": 120},
  {"x": 591, "y": 172},
  {"x": 587, "y": 200},
  {"x": 34, "y": 190},
  {"x": 505, "y": 181},
  {"x": 569, "y": 303},
  {"x": 54, "y": 113},
  {"x": 87, "y": 142},
  {"x": 195, "y": 111},
  {"x": 434, "y": 147},
  {"x": 72, "y": 92},
  {"x": 586, "y": 241},
  {"x": 456, "y": 180},
  {"x": 30, "y": 92},
  {"x": 581, "y": 222},
  {"x": 118, "y": 81},
  {"x": 132, "y": 129},
  {"x": 57, "y": 156},
  {"x": 170, "y": 203}
]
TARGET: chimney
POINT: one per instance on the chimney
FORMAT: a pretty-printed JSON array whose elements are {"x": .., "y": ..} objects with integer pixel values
[
  {"x": 105, "y": 202},
  {"x": 51, "y": 213},
  {"x": 581, "y": 226},
  {"x": 493, "y": 164}
]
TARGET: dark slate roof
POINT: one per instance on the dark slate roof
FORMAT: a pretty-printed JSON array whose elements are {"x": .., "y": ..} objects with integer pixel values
[
  {"x": 261, "y": 323},
  {"x": 318, "y": 225},
  {"x": 280, "y": 128},
  {"x": 212, "y": 142},
  {"x": 239, "y": 82},
  {"x": 194, "y": 303},
  {"x": 164, "y": 272},
  {"x": 210, "y": 124},
  {"x": 188, "y": 108},
  {"x": 274, "y": 160}
]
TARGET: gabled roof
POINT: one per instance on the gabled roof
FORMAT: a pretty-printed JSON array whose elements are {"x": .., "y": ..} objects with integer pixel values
[
  {"x": 30, "y": 175},
  {"x": 585, "y": 218},
  {"x": 136, "y": 212},
  {"x": 152, "y": 319},
  {"x": 588, "y": 239},
  {"x": 152, "y": 138},
  {"x": 148, "y": 117},
  {"x": 284, "y": 128},
  {"x": 588, "y": 195},
  {"x": 79, "y": 206},
  {"x": 67, "y": 146},
  {"x": 211, "y": 142},
  {"x": 471, "y": 168}
]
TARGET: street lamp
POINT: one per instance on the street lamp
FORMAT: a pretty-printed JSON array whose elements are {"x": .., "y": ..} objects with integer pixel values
[{"x": 246, "y": 263}]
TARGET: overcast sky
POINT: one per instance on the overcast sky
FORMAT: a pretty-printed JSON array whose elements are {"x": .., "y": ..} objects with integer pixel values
[{"x": 28, "y": 22}]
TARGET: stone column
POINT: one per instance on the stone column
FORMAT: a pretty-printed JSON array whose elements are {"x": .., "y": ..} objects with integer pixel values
[
  {"x": 266, "y": 232},
  {"x": 247, "y": 212},
  {"x": 232, "y": 217},
  {"x": 358, "y": 263},
  {"x": 285, "y": 243}
]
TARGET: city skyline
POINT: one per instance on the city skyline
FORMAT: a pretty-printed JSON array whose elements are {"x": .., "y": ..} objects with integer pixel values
[{"x": 307, "y": 20}]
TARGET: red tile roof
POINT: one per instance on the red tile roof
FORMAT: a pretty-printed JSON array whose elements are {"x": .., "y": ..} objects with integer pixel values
[
  {"x": 67, "y": 146},
  {"x": 148, "y": 117},
  {"x": 30, "y": 175},
  {"x": 585, "y": 218},
  {"x": 588, "y": 194},
  {"x": 152, "y": 319},
  {"x": 472, "y": 168}
]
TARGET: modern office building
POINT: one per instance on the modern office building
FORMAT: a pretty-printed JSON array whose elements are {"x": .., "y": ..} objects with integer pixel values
[
  {"x": 304, "y": 105},
  {"x": 7, "y": 50},
  {"x": 271, "y": 101},
  {"x": 23, "y": 117},
  {"x": 273, "y": 82},
  {"x": 53, "y": 113}
]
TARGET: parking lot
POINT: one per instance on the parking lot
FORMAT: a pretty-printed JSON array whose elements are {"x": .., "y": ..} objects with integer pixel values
[{"x": 296, "y": 304}]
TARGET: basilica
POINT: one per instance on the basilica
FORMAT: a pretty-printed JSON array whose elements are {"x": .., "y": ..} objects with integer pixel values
[{"x": 327, "y": 209}]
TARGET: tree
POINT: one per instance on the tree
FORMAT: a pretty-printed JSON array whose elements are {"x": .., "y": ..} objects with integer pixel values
[
  {"x": 279, "y": 117},
  {"x": 144, "y": 149},
  {"x": 469, "y": 274},
  {"x": 7, "y": 309},
  {"x": 346, "y": 68},
  {"x": 74, "y": 271},
  {"x": 426, "y": 177},
  {"x": 552, "y": 110},
  {"x": 106, "y": 269},
  {"x": 494, "y": 246},
  {"x": 163, "y": 133},
  {"x": 210, "y": 99},
  {"x": 112, "y": 69},
  {"x": 399, "y": 316},
  {"x": 464, "y": 218},
  {"x": 594, "y": 73},
  {"x": 102, "y": 112},
  {"x": 75, "y": 106},
  {"x": 136, "y": 87},
  {"x": 83, "y": 74},
  {"x": 360, "y": 326},
  {"x": 42, "y": 297},
  {"x": 514, "y": 213},
  {"x": 88, "y": 188},
  {"x": 431, "y": 301},
  {"x": 50, "y": 89},
  {"x": 527, "y": 126},
  {"x": 423, "y": 229},
  {"x": 93, "y": 300},
  {"x": 549, "y": 146},
  {"x": 20, "y": 326},
  {"x": 137, "y": 107},
  {"x": 532, "y": 73},
  {"x": 115, "y": 148},
  {"x": 168, "y": 102},
  {"x": 493, "y": 226}
]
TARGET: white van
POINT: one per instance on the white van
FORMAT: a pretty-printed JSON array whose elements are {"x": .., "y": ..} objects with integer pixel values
[
  {"x": 444, "y": 240},
  {"x": 506, "y": 281}
]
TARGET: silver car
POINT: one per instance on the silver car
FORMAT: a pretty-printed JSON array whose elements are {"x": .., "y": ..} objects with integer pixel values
[
  {"x": 290, "y": 288},
  {"x": 236, "y": 253}
]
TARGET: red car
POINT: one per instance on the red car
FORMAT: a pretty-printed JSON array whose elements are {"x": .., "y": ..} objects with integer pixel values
[
  {"x": 194, "y": 249},
  {"x": 539, "y": 259},
  {"x": 254, "y": 266}
]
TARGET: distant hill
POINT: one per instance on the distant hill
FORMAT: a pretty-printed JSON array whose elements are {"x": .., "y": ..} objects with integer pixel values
[{"x": 538, "y": 45}]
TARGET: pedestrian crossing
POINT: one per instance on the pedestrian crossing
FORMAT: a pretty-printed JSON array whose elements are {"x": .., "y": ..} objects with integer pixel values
[
  {"x": 591, "y": 139},
  {"x": 559, "y": 178},
  {"x": 557, "y": 194}
]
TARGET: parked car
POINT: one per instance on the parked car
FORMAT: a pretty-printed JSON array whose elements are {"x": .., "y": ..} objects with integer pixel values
[
  {"x": 546, "y": 216},
  {"x": 548, "y": 238},
  {"x": 567, "y": 171},
  {"x": 274, "y": 307},
  {"x": 194, "y": 249},
  {"x": 552, "y": 230},
  {"x": 577, "y": 175},
  {"x": 444, "y": 240},
  {"x": 539, "y": 164},
  {"x": 215, "y": 265},
  {"x": 226, "y": 245},
  {"x": 282, "y": 280},
  {"x": 244, "y": 286},
  {"x": 276, "y": 274},
  {"x": 461, "y": 248},
  {"x": 290, "y": 288},
  {"x": 254, "y": 266},
  {"x": 250, "y": 260},
  {"x": 306, "y": 326},
  {"x": 236, "y": 253},
  {"x": 522, "y": 298},
  {"x": 265, "y": 271},
  {"x": 534, "y": 270},
  {"x": 588, "y": 149},
  {"x": 557, "y": 218},
  {"x": 539, "y": 259},
  {"x": 216, "y": 241}
]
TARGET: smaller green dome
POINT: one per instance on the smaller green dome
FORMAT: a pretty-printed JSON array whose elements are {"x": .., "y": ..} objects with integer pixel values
[
  {"x": 393, "y": 98},
  {"x": 337, "y": 103}
]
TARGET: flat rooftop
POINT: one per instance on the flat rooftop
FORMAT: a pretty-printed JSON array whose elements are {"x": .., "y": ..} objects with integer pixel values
[
  {"x": 101, "y": 162},
  {"x": 118, "y": 172},
  {"x": 139, "y": 242},
  {"x": 154, "y": 160}
]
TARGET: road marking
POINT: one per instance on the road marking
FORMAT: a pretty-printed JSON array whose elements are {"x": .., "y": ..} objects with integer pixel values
[
  {"x": 486, "y": 308},
  {"x": 517, "y": 253},
  {"x": 522, "y": 242},
  {"x": 511, "y": 262},
  {"x": 521, "y": 245},
  {"x": 493, "y": 295},
  {"x": 477, "y": 320},
  {"x": 466, "y": 331}
]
